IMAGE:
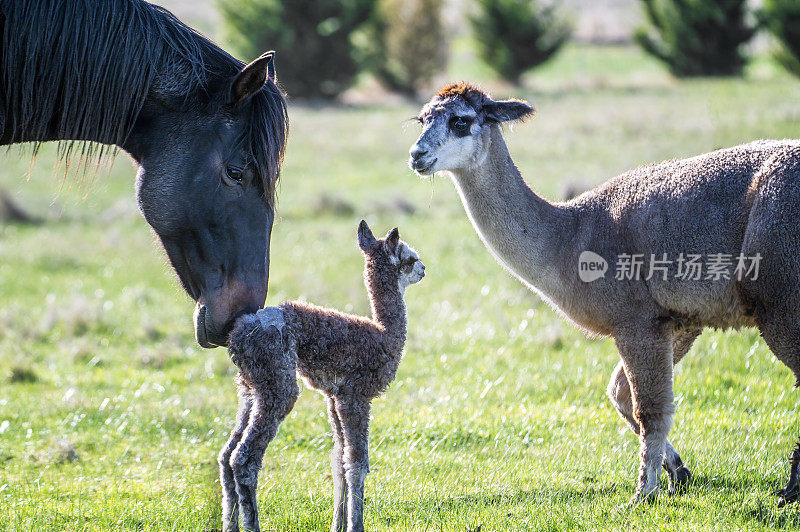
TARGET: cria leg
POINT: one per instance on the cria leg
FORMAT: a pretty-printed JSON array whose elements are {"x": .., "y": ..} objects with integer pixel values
[
  {"x": 267, "y": 366},
  {"x": 230, "y": 500},
  {"x": 620, "y": 394},
  {"x": 647, "y": 360},
  {"x": 337, "y": 466},
  {"x": 354, "y": 416},
  {"x": 268, "y": 411}
]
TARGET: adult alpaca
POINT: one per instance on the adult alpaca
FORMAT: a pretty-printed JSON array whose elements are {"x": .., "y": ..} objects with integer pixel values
[
  {"x": 740, "y": 201},
  {"x": 207, "y": 132}
]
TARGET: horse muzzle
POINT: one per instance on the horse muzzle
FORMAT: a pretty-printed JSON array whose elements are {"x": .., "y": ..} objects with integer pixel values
[
  {"x": 206, "y": 336},
  {"x": 212, "y": 325},
  {"x": 200, "y": 332}
]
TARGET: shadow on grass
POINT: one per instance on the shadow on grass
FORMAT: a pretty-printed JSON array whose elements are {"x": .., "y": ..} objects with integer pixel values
[
  {"x": 703, "y": 483},
  {"x": 769, "y": 514},
  {"x": 759, "y": 510}
]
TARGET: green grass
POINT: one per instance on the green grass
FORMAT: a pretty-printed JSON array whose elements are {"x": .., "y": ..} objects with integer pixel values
[{"x": 111, "y": 416}]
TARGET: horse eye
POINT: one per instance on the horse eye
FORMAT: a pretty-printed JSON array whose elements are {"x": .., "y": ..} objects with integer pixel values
[{"x": 234, "y": 174}]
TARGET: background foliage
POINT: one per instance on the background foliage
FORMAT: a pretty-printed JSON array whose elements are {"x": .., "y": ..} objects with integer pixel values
[
  {"x": 697, "y": 37},
  {"x": 315, "y": 58},
  {"x": 782, "y": 19},
  {"x": 514, "y": 36},
  {"x": 326, "y": 44},
  {"x": 405, "y": 45}
]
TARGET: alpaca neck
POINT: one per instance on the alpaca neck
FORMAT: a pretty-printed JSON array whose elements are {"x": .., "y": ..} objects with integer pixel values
[
  {"x": 387, "y": 303},
  {"x": 526, "y": 233}
]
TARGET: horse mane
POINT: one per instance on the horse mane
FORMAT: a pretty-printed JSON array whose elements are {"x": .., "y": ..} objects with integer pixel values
[{"x": 79, "y": 71}]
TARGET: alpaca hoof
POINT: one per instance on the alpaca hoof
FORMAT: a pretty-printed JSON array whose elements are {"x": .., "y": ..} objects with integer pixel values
[
  {"x": 680, "y": 480},
  {"x": 643, "y": 497},
  {"x": 788, "y": 495}
]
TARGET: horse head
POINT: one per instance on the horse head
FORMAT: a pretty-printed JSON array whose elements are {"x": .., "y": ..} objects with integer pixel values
[
  {"x": 207, "y": 131},
  {"x": 206, "y": 186}
]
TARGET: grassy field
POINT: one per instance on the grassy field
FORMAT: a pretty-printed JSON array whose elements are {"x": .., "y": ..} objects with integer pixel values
[{"x": 111, "y": 417}]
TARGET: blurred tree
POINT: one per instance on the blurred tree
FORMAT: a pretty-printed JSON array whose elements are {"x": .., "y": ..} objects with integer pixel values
[
  {"x": 404, "y": 44},
  {"x": 312, "y": 38},
  {"x": 11, "y": 212},
  {"x": 514, "y": 36},
  {"x": 697, "y": 37},
  {"x": 782, "y": 19}
]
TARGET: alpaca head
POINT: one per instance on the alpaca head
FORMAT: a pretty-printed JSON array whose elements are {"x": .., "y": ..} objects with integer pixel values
[
  {"x": 455, "y": 127},
  {"x": 390, "y": 257}
]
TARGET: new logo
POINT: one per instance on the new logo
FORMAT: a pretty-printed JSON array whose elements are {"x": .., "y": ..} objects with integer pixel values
[{"x": 591, "y": 266}]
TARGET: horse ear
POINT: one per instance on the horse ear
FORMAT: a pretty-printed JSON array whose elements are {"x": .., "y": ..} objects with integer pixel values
[
  {"x": 366, "y": 240},
  {"x": 252, "y": 77},
  {"x": 392, "y": 240},
  {"x": 508, "y": 110},
  {"x": 271, "y": 68}
]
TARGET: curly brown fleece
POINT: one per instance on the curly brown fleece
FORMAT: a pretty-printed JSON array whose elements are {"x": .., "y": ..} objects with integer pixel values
[{"x": 349, "y": 359}]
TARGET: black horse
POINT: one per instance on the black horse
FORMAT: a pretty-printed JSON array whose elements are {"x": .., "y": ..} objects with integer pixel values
[{"x": 207, "y": 132}]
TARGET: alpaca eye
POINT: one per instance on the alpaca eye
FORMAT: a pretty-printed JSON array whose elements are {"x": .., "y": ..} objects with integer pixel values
[
  {"x": 460, "y": 125},
  {"x": 408, "y": 264},
  {"x": 234, "y": 174}
]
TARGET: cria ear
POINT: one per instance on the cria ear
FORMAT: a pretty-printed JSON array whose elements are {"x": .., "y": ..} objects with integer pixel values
[
  {"x": 392, "y": 240},
  {"x": 508, "y": 110},
  {"x": 252, "y": 77},
  {"x": 366, "y": 240}
]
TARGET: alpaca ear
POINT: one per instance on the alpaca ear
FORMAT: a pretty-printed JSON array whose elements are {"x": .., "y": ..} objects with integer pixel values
[
  {"x": 366, "y": 240},
  {"x": 508, "y": 110},
  {"x": 392, "y": 240},
  {"x": 252, "y": 77}
]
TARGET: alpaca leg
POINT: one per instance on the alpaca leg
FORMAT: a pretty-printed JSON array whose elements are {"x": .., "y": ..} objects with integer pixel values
[
  {"x": 354, "y": 416},
  {"x": 771, "y": 291},
  {"x": 230, "y": 504},
  {"x": 792, "y": 490},
  {"x": 270, "y": 408},
  {"x": 620, "y": 394},
  {"x": 337, "y": 467},
  {"x": 781, "y": 331},
  {"x": 647, "y": 359},
  {"x": 267, "y": 361}
]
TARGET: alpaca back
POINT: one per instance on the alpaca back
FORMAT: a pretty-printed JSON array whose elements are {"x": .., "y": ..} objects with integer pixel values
[
  {"x": 341, "y": 353},
  {"x": 701, "y": 206}
]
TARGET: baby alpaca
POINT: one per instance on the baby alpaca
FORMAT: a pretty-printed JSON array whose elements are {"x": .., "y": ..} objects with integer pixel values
[{"x": 349, "y": 359}]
